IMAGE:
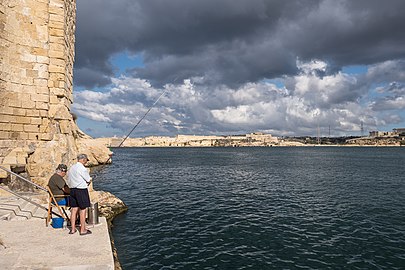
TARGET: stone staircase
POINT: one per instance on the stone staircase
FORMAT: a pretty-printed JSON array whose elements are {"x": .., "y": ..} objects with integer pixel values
[{"x": 14, "y": 208}]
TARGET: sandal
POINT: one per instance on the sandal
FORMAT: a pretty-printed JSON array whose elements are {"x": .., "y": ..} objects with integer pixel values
[
  {"x": 72, "y": 232},
  {"x": 87, "y": 232}
]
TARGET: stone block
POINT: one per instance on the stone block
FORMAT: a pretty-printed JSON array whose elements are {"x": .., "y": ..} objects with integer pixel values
[
  {"x": 53, "y": 100},
  {"x": 58, "y": 40},
  {"x": 4, "y": 135},
  {"x": 17, "y": 127},
  {"x": 33, "y": 136},
  {"x": 56, "y": 25},
  {"x": 42, "y": 89},
  {"x": 27, "y": 104},
  {"x": 5, "y": 126},
  {"x": 58, "y": 92},
  {"x": 26, "y": 80},
  {"x": 19, "y": 112},
  {"x": 18, "y": 88},
  {"x": 57, "y": 62},
  {"x": 40, "y": 97},
  {"x": 56, "y": 47},
  {"x": 46, "y": 137},
  {"x": 36, "y": 121},
  {"x": 57, "y": 54},
  {"x": 57, "y": 76},
  {"x": 59, "y": 112},
  {"x": 44, "y": 128},
  {"x": 43, "y": 113},
  {"x": 3, "y": 173},
  {"x": 41, "y": 105},
  {"x": 23, "y": 120},
  {"x": 24, "y": 96},
  {"x": 43, "y": 33},
  {"x": 56, "y": 32},
  {"x": 39, "y": 52},
  {"x": 32, "y": 73},
  {"x": 31, "y": 128},
  {"x": 8, "y": 118},
  {"x": 32, "y": 112},
  {"x": 21, "y": 159},
  {"x": 57, "y": 4},
  {"x": 6, "y": 110},
  {"x": 58, "y": 18},
  {"x": 65, "y": 127},
  {"x": 43, "y": 71},
  {"x": 28, "y": 89},
  {"x": 16, "y": 103},
  {"x": 7, "y": 144},
  {"x": 24, "y": 136},
  {"x": 27, "y": 65},
  {"x": 10, "y": 159},
  {"x": 10, "y": 96},
  {"x": 58, "y": 69},
  {"x": 43, "y": 59},
  {"x": 14, "y": 135},
  {"x": 27, "y": 57},
  {"x": 41, "y": 13}
]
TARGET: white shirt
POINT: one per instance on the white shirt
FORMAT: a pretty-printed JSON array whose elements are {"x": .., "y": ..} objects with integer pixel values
[{"x": 78, "y": 176}]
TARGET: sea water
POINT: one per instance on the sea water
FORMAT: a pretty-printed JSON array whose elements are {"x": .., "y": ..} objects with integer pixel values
[{"x": 258, "y": 208}]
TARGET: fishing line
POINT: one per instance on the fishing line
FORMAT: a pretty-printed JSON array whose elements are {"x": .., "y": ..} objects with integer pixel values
[{"x": 140, "y": 120}]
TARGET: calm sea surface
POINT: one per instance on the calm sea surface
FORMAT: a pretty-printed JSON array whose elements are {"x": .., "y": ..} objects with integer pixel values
[{"x": 259, "y": 208}]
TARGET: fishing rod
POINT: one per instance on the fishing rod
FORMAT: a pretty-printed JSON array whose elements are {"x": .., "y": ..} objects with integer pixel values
[{"x": 140, "y": 120}]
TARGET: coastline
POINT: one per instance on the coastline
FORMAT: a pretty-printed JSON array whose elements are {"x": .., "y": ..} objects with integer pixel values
[
  {"x": 268, "y": 146},
  {"x": 248, "y": 140},
  {"x": 117, "y": 264},
  {"x": 110, "y": 207}
]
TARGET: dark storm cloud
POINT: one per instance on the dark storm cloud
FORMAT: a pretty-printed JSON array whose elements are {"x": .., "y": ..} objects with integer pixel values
[
  {"x": 233, "y": 41},
  {"x": 89, "y": 77}
]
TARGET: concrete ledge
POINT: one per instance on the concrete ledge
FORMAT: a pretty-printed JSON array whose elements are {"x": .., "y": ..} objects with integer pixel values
[{"x": 29, "y": 244}]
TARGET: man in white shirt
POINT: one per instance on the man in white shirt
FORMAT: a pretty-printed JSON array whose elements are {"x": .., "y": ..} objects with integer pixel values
[{"x": 78, "y": 180}]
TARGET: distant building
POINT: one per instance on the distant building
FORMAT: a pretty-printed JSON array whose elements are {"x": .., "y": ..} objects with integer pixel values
[
  {"x": 382, "y": 133},
  {"x": 399, "y": 131},
  {"x": 262, "y": 137}
]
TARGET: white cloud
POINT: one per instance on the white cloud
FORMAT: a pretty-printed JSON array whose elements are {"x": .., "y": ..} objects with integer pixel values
[
  {"x": 92, "y": 96},
  {"x": 337, "y": 101},
  {"x": 309, "y": 68}
]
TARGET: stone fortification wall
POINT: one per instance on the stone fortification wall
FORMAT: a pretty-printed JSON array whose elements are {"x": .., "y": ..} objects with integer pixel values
[
  {"x": 37, "y": 130},
  {"x": 37, "y": 52}
]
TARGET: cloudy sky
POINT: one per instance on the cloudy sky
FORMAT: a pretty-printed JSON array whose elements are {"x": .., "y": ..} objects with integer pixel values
[{"x": 289, "y": 68}]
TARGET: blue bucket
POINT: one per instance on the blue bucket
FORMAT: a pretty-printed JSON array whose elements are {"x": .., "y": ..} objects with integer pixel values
[{"x": 57, "y": 223}]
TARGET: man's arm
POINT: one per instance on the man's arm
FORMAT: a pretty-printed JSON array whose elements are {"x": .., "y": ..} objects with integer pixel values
[
  {"x": 62, "y": 186},
  {"x": 85, "y": 175},
  {"x": 66, "y": 189}
]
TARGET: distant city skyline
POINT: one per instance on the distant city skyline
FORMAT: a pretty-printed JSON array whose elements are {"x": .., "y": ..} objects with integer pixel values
[{"x": 287, "y": 68}]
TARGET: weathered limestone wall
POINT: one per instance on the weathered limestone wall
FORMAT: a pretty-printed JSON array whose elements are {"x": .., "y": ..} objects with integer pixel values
[
  {"x": 37, "y": 52},
  {"x": 37, "y": 130}
]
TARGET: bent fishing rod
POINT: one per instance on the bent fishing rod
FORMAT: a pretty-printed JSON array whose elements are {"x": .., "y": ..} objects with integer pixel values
[{"x": 137, "y": 124}]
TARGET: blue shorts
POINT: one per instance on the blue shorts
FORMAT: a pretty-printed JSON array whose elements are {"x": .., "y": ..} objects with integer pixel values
[
  {"x": 79, "y": 198},
  {"x": 64, "y": 201}
]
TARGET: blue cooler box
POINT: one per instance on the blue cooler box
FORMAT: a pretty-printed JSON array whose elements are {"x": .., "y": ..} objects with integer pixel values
[{"x": 57, "y": 223}]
